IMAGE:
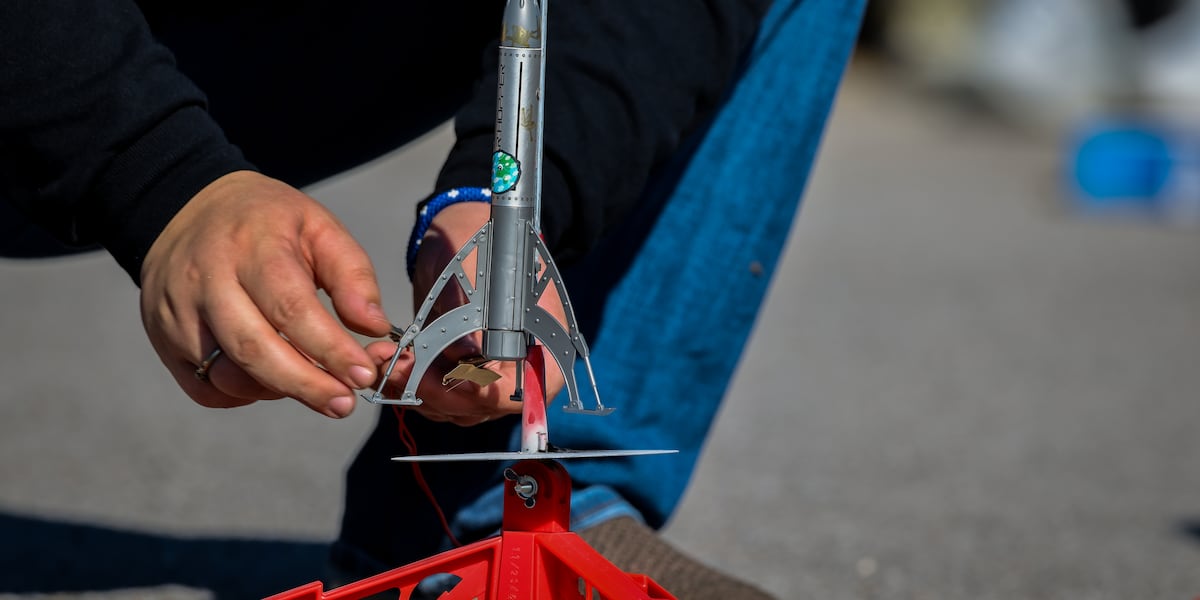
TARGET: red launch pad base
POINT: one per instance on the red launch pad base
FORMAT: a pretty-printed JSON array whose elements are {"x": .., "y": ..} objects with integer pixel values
[{"x": 535, "y": 557}]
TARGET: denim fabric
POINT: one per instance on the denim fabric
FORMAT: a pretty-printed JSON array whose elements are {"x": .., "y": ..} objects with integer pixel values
[{"x": 668, "y": 313}]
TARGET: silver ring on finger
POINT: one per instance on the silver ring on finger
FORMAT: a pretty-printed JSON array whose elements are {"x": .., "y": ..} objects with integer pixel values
[{"x": 207, "y": 363}]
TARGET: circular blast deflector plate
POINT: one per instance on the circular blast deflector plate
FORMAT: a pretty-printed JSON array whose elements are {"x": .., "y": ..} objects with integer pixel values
[{"x": 556, "y": 454}]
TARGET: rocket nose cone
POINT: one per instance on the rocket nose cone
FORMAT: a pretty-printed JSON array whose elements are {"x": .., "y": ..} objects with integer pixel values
[{"x": 522, "y": 24}]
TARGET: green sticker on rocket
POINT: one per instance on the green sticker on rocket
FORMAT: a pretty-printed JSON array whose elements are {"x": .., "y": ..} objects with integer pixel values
[{"x": 506, "y": 170}]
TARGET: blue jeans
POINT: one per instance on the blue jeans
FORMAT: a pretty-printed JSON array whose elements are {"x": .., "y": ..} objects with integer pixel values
[{"x": 675, "y": 292}]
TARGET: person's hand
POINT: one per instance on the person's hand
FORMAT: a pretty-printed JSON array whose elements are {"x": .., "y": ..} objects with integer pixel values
[
  {"x": 461, "y": 402},
  {"x": 239, "y": 268}
]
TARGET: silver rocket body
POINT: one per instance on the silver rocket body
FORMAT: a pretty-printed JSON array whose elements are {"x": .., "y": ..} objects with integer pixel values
[
  {"x": 516, "y": 174},
  {"x": 514, "y": 266}
]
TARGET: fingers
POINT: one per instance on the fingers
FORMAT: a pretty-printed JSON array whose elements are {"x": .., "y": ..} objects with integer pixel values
[
  {"x": 212, "y": 393},
  {"x": 282, "y": 291},
  {"x": 226, "y": 384},
  {"x": 462, "y": 402},
  {"x": 254, "y": 344},
  {"x": 343, "y": 269}
]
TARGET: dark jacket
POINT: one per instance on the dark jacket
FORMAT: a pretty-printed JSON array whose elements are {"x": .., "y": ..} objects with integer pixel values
[{"x": 107, "y": 130}]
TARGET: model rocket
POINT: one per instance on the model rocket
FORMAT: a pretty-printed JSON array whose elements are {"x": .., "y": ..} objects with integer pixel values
[
  {"x": 516, "y": 183},
  {"x": 514, "y": 266}
]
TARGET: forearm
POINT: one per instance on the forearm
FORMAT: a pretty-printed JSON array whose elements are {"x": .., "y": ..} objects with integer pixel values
[{"x": 102, "y": 140}]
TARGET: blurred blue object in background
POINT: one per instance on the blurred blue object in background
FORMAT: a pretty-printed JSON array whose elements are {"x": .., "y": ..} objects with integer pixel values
[
  {"x": 1115, "y": 163},
  {"x": 1135, "y": 167}
]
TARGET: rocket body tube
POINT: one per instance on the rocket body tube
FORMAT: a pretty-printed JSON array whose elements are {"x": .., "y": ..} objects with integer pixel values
[{"x": 515, "y": 182}]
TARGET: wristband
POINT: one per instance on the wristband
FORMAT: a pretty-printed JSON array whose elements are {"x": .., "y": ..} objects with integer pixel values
[{"x": 429, "y": 209}]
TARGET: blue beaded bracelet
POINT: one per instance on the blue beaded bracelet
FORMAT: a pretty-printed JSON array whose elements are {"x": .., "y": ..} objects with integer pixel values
[{"x": 429, "y": 209}]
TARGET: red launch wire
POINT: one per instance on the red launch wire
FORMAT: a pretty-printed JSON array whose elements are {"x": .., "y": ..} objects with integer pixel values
[{"x": 410, "y": 444}]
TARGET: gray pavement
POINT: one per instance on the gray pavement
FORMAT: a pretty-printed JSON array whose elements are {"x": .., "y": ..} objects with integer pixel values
[{"x": 956, "y": 390}]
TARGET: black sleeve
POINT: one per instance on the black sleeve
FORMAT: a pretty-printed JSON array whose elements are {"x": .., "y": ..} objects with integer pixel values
[
  {"x": 627, "y": 80},
  {"x": 102, "y": 139}
]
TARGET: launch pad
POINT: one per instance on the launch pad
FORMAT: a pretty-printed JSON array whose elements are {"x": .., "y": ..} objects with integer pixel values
[{"x": 535, "y": 557}]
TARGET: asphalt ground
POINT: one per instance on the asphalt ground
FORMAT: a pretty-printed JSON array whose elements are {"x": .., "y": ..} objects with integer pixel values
[{"x": 956, "y": 389}]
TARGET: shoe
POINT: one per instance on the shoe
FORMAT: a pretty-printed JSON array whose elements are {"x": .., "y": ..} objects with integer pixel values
[{"x": 636, "y": 548}]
